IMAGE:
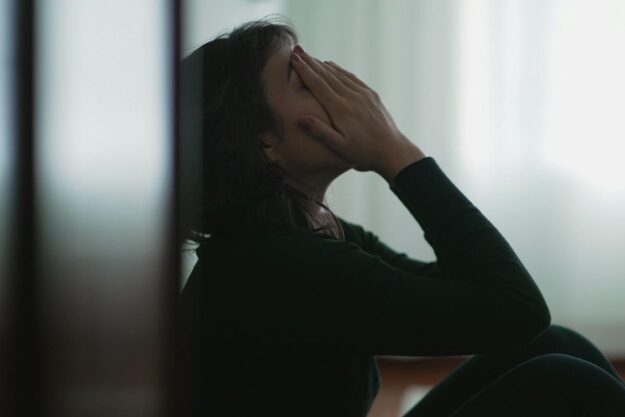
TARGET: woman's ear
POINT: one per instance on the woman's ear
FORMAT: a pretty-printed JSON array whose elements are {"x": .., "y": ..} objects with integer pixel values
[{"x": 270, "y": 146}]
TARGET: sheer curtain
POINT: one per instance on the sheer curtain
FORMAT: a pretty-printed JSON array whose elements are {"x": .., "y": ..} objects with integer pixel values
[
  {"x": 540, "y": 133},
  {"x": 520, "y": 102}
]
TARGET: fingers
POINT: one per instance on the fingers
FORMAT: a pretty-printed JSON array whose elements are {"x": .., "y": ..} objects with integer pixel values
[
  {"x": 349, "y": 75},
  {"x": 341, "y": 80},
  {"x": 324, "y": 133},
  {"x": 317, "y": 84},
  {"x": 323, "y": 71},
  {"x": 348, "y": 78}
]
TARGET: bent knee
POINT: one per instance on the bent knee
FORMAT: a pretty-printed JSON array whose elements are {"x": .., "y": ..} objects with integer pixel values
[
  {"x": 570, "y": 373},
  {"x": 564, "y": 337},
  {"x": 555, "y": 367},
  {"x": 559, "y": 328}
]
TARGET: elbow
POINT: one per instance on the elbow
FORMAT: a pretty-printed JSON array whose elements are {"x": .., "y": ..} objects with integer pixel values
[
  {"x": 530, "y": 314},
  {"x": 543, "y": 317},
  {"x": 528, "y": 324},
  {"x": 540, "y": 316},
  {"x": 539, "y": 322}
]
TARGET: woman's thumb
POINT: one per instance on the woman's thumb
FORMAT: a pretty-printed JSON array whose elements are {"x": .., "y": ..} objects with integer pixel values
[{"x": 327, "y": 135}]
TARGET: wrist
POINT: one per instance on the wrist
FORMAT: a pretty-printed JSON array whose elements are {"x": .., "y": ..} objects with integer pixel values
[{"x": 399, "y": 158}]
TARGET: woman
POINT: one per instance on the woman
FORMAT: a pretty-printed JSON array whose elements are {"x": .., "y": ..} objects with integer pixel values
[{"x": 288, "y": 304}]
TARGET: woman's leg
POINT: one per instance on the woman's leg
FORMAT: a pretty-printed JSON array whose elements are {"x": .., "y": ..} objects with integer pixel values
[
  {"x": 554, "y": 385},
  {"x": 480, "y": 370}
]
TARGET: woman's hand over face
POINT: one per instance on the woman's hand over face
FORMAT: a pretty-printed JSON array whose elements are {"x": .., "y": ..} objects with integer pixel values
[{"x": 364, "y": 132}]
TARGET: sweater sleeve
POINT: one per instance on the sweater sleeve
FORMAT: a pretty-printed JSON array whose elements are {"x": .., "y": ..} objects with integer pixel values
[
  {"x": 341, "y": 295},
  {"x": 371, "y": 243}
]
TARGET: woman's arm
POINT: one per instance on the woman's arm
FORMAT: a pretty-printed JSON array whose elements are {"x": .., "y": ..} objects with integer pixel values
[
  {"x": 298, "y": 287},
  {"x": 371, "y": 243}
]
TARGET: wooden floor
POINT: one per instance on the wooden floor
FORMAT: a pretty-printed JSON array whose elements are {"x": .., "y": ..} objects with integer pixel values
[{"x": 403, "y": 381}]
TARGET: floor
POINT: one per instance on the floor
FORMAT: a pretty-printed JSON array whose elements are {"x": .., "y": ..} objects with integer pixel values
[{"x": 406, "y": 380}]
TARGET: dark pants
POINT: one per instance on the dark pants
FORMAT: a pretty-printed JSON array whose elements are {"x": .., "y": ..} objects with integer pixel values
[{"x": 560, "y": 373}]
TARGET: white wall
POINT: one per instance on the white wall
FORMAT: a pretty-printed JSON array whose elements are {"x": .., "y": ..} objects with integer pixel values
[{"x": 205, "y": 19}]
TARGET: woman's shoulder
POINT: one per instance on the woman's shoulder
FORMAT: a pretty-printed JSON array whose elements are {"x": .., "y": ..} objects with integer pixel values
[
  {"x": 270, "y": 259},
  {"x": 297, "y": 245},
  {"x": 354, "y": 232},
  {"x": 282, "y": 239}
]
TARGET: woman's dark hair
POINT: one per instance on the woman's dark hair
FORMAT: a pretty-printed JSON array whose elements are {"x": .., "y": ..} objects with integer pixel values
[{"x": 229, "y": 185}]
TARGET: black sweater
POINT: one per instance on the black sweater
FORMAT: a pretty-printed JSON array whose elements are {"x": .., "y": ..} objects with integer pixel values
[{"x": 289, "y": 323}]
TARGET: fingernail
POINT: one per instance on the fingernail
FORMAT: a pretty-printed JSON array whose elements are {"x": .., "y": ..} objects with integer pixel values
[
  {"x": 305, "y": 123},
  {"x": 298, "y": 49}
]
